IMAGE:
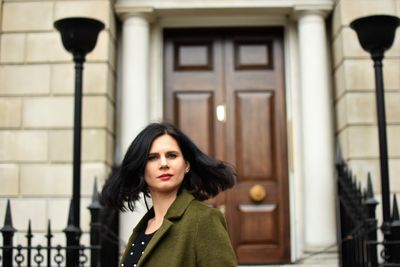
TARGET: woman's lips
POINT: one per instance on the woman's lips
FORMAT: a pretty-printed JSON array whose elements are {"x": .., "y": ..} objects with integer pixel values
[{"x": 164, "y": 177}]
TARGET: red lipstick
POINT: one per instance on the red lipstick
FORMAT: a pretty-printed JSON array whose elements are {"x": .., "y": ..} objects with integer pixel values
[{"x": 165, "y": 176}]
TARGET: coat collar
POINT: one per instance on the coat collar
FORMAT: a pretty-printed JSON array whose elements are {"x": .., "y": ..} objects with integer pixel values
[
  {"x": 175, "y": 212},
  {"x": 179, "y": 206}
]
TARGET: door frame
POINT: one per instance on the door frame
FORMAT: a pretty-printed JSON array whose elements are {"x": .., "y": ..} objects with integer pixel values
[{"x": 293, "y": 102}]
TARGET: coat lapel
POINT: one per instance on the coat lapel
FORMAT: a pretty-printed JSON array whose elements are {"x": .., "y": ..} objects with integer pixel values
[{"x": 174, "y": 213}]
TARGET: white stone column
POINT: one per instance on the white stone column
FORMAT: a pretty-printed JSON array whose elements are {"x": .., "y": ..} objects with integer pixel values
[
  {"x": 318, "y": 136},
  {"x": 133, "y": 97}
]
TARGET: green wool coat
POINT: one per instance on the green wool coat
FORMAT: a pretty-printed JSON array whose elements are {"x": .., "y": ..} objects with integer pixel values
[{"x": 192, "y": 234}]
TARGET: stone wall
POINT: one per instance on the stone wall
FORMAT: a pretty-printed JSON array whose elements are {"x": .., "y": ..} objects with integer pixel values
[
  {"x": 36, "y": 111},
  {"x": 356, "y": 121}
]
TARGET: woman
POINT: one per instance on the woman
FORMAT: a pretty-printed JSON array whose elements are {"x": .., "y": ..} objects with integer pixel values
[{"x": 178, "y": 230}]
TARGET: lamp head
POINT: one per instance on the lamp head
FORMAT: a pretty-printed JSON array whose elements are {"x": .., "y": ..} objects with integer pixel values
[
  {"x": 376, "y": 33},
  {"x": 79, "y": 35}
]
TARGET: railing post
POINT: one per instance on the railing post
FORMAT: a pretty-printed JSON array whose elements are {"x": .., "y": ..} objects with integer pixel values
[
  {"x": 73, "y": 235},
  {"x": 394, "y": 236},
  {"x": 49, "y": 236},
  {"x": 8, "y": 232},
  {"x": 95, "y": 227},
  {"x": 29, "y": 237},
  {"x": 371, "y": 223}
]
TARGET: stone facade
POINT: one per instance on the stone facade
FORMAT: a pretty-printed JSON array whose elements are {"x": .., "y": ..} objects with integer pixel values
[
  {"x": 36, "y": 111},
  {"x": 354, "y": 94}
]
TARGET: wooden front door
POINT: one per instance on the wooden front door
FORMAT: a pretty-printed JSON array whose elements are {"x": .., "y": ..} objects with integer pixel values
[{"x": 225, "y": 89}]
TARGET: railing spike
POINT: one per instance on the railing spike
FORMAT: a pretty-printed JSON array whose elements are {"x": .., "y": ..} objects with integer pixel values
[
  {"x": 95, "y": 207},
  {"x": 95, "y": 197},
  {"x": 49, "y": 234},
  {"x": 29, "y": 233},
  {"x": 8, "y": 233},
  {"x": 70, "y": 215},
  {"x": 8, "y": 218},
  {"x": 8, "y": 225},
  {"x": 395, "y": 213},
  {"x": 370, "y": 190},
  {"x": 95, "y": 193}
]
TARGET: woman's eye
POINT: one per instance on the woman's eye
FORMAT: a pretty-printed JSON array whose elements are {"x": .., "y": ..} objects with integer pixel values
[
  {"x": 151, "y": 158},
  {"x": 171, "y": 156}
]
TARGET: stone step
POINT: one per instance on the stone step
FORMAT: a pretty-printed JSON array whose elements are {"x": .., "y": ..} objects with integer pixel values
[{"x": 327, "y": 259}]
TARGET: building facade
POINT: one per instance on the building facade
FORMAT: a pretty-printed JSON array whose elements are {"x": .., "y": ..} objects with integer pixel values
[{"x": 270, "y": 86}]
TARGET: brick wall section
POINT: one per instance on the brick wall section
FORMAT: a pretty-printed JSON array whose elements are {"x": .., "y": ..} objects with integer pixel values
[
  {"x": 36, "y": 110},
  {"x": 356, "y": 121}
]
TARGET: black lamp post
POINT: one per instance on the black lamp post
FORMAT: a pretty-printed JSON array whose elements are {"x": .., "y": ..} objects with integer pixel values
[
  {"x": 79, "y": 37},
  {"x": 376, "y": 35}
]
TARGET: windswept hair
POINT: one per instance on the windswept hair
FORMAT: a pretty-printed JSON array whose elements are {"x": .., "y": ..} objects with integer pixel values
[{"x": 206, "y": 178}]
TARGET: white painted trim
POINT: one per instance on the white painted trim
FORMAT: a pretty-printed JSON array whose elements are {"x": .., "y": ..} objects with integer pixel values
[
  {"x": 222, "y": 21},
  {"x": 293, "y": 107},
  {"x": 179, "y": 4},
  {"x": 218, "y": 7},
  {"x": 156, "y": 73}
]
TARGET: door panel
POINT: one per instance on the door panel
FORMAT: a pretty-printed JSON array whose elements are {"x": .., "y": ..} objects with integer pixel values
[
  {"x": 242, "y": 69},
  {"x": 254, "y": 146},
  {"x": 196, "y": 55},
  {"x": 194, "y": 112},
  {"x": 252, "y": 55}
]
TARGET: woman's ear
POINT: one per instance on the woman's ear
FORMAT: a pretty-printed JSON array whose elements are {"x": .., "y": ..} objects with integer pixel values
[{"x": 187, "y": 169}]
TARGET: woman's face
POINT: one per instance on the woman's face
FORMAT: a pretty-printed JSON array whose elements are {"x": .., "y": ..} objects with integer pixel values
[{"x": 165, "y": 167}]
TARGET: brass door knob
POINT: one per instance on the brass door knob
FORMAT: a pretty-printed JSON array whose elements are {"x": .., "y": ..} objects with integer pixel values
[{"x": 257, "y": 193}]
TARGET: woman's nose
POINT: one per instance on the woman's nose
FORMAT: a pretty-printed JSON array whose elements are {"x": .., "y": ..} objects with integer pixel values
[{"x": 163, "y": 162}]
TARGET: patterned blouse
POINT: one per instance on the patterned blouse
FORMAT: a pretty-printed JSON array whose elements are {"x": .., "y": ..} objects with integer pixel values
[{"x": 137, "y": 249}]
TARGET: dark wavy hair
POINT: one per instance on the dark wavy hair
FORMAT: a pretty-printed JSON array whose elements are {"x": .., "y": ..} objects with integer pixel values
[{"x": 206, "y": 178}]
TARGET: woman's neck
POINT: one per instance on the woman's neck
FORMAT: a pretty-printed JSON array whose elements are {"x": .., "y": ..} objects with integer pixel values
[{"x": 161, "y": 204}]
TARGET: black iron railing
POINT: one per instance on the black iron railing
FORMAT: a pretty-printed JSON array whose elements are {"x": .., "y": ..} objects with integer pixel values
[
  {"x": 102, "y": 250},
  {"x": 358, "y": 225}
]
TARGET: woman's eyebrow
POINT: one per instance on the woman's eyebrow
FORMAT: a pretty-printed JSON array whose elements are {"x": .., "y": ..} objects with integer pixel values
[
  {"x": 169, "y": 151},
  {"x": 173, "y": 151}
]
